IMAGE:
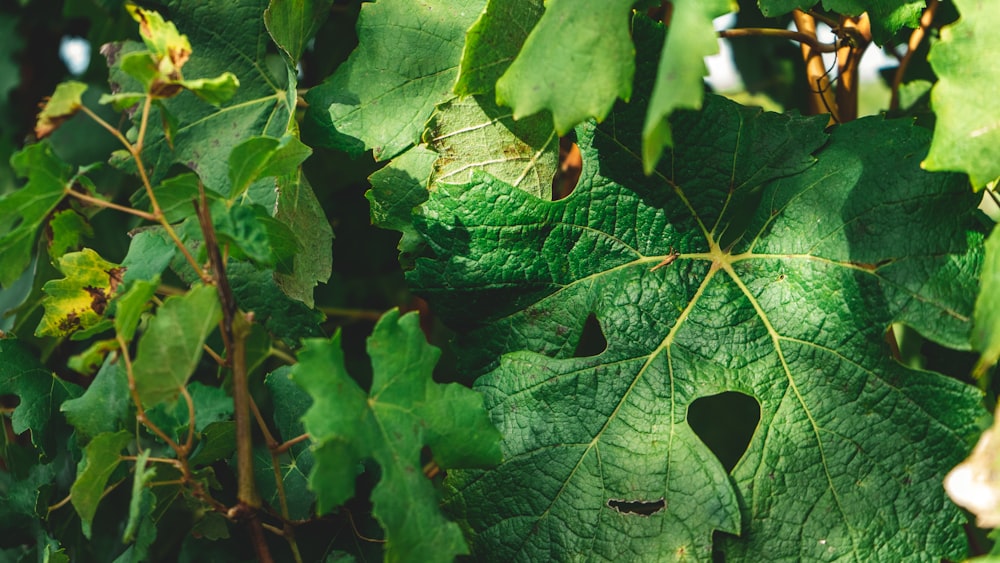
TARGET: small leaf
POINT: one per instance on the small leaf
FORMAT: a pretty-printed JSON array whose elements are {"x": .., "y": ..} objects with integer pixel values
[
  {"x": 149, "y": 254},
  {"x": 300, "y": 211},
  {"x": 170, "y": 49},
  {"x": 492, "y": 43},
  {"x": 260, "y": 157},
  {"x": 292, "y": 23},
  {"x": 679, "y": 78},
  {"x": 40, "y": 393},
  {"x": 104, "y": 407},
  {"x": 131, "y": 305},
  {"x": 24, "y": 211},
  {"x": 172, "y": 345},
  {"x": 215, "y": 91},
  {"x": 404, "y": 411},
  {"x": 79, "y": 300},
  {"x": 143, "y": 502},
  {"x": 63, "y": 104},
  {"x": 100, "y": 459},
  {"x": 967, "y": 130},
  {"x": 547, "y": 75},
  {"x": 69, "y": 228}
]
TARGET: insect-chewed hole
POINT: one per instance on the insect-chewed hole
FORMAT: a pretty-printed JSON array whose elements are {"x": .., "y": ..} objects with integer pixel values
[
  {"x": 725, "y": 423},
  {"x": 570, "y": 165},
  {"x": 592, "y": 340}
]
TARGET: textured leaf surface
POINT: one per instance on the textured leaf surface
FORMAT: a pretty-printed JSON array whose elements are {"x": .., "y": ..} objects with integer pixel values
[
  {"x": 679, "y": 77},
  {"x": 405, "y": 64},
  {"x": 967, "y": 131},
  {"x": 290, "y": 402},
  {"x": 404, "y": 411},
  {"x": 693, "y": 300},
  {"x": 78, "y": 301},
  {"x": 298, "y": 208},
  {"x": 475, "y": 134},
  {"x": 104, "y": 406},
  {"x": 397, "y": 188},
  {"x": 170, "y": 348},
  {"x": 39, "y": 391},
  {"x": 224, "y": 37},
  {"x": 559, "y": 57},
  {"x": 100, "y": 458},
  {"x": 493, "y": 42},
  {"x": 24, "y": 211}
]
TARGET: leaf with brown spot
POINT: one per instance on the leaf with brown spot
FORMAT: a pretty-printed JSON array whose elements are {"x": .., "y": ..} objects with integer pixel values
[{"x": 79, "y": 300}]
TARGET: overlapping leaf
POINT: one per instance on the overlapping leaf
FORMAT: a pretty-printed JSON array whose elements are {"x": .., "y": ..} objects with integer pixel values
[
  {"x": 405, "y": 64},
  {"x": 224, "y": 37},
  {"x": 739, "y": 265},
  {"x": 404, "y": 411},
  {"x": 887, "y": 16},
  {"x": 967, "y": 131}
]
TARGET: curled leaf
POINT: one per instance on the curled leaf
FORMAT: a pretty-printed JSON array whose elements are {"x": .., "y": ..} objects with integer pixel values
[{"x": 62, "y": 105}]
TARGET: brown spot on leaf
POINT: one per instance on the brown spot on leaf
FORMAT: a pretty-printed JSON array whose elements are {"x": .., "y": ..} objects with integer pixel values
[
  {"x": 70, "y": 323},
  {"x": 114, "y": 279},
  {"x": 98, "y": 299}
]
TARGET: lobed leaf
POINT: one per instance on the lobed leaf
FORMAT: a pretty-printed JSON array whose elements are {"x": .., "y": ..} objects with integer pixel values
[
  {"x": 79, "y": 300},
  {"x": 100, "y": 459},
  {"x": 558, "y": 68},
  {"x": 967, "y": 129},
  {"x": 24, "y": 211},
  {"x": 404, "y": 411},
  {"x": 702, "y": 282},
  {"x": 406, "y": 63},
  {"x": 63, "y": 104},
  {"x": 105, "y": 406}
]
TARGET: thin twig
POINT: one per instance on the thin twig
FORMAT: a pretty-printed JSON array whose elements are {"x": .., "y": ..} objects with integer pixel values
[
  {"x": 911, "y": 47},
  {"x": 848, "y": 60},
  {"x": 189, "y": 443},
  {"x": 282, "y": 448},
  {"x": 110, "y": 205},
  {"x": 799, "y": 36}
]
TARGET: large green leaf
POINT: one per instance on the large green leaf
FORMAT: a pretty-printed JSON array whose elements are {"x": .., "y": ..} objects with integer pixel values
[
  {"x": 40, "y": 393},
  {"x": 560, "y": 70},
  {"x": 171, "y": 347},
  {"x": 23, "y": 212},
  {"x": 404, "y": 411},
  {"x": 405, "y": 64},
  {"x": 492, "y": 43},
  {"x": 967, "y": 131},
  {"x": 204, "y": 135},
  {"x": 739, "y": 265}
]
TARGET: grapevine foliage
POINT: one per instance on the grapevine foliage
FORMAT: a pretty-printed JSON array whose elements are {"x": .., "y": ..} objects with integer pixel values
[{"x": 595, "y": 245}]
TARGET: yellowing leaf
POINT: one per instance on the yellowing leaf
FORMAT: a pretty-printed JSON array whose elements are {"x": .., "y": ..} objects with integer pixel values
[
  {"x": 79, "y": 300},
  {"x": 63, "y": 104},
  {"x": 170, "y": 48}
]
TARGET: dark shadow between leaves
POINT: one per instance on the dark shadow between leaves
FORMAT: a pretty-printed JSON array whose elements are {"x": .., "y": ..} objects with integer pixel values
[
  {"x": 725, "y": 423},
  {"x": 592, "y": 339}
]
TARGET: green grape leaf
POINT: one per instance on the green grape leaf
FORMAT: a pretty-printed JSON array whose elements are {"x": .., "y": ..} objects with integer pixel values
[
  {"x": 79, "y": 300},
  {"x": 63, "y": 104},
  {"x": 100, "y": 459},
  {"x": 285, "y": 318},
  {"x": 259, "y": 107},
  {"x": 170, "y": 348},
  {"x": 298, "y": 208},
  {"x": 24, "y": 211},
  {"x": 21, "y": 498},
  {"x": 396, "y": 189},
  {"x": 967, "y": 130},
  {"x": 404, "y": 411},
  {"x": 149, "y": 254},
  {"x": 986, "y": 331},
  {"x": 492, "y": 43},
  {"x": 703, "y": 281},
  {"x": 40, "y": 393},
  {"x": 560, "y": 70},
  {"x": 475, "y": 134},
  {"x": 260, "y": 157},
  {"x": 380, "y": 98},
  {"x": 104, "y": 407},
  {"x": 218, "y": 441},
  {"x": 211, "y": 405},
  {"x": 679, "y": 77},
  {"x": 887, "y": 16},
  {"x": 290, "y": 401},
  {"x": 69, "y": 228},
  {"x": 131, "y": 305},
  {"x": 292, "y": 23}
]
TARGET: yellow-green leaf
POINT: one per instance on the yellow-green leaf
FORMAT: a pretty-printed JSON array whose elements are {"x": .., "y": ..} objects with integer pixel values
[
  {"x": 63, "y": 104},
  {"x": 78, "y": 301}
]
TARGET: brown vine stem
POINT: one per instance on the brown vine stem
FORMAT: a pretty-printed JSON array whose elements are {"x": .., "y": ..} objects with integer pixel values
[
  {"x": 235, "y": 329},
  {"x": 282, "y": 448},
  {"x": 822, "y": 99},
  {"x": 140, "y": 411},
  {"x": 799, "y": 36},
  {"x": 911, "y": 47},
  {"x": 858, "y": 32},
  {"x": 110, "y": 205}
]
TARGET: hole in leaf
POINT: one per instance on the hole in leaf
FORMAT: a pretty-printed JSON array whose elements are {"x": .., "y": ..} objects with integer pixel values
[
  {"x": 638, "y": 507},
  {"x": 592, "y": 340},
  {"x": 725, "y": 423},
  {"x": 570, "y": 165}
]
